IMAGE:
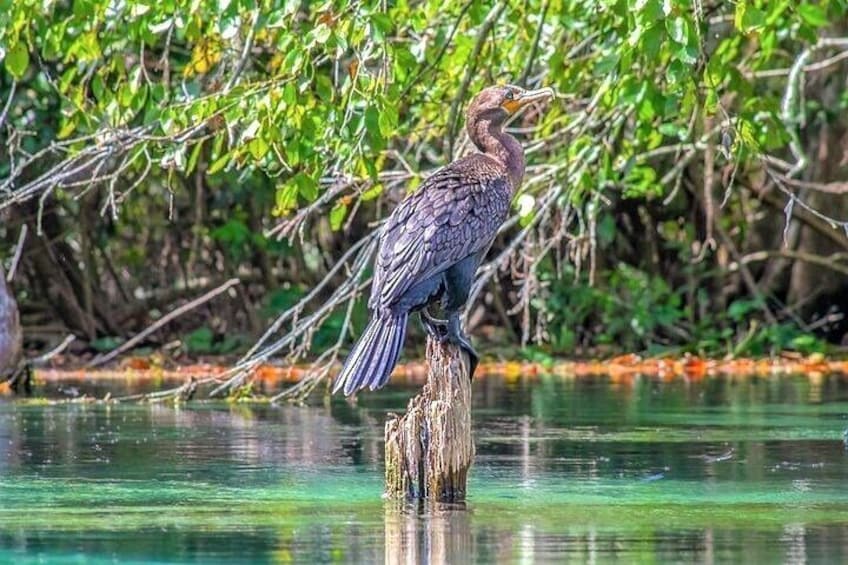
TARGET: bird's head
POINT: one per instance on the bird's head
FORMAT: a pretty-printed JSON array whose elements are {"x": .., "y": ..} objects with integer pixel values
[{"x": 498, "y": 103}]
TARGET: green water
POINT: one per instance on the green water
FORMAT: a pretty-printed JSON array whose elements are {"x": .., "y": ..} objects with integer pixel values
[{"x": 567, "y": 471}]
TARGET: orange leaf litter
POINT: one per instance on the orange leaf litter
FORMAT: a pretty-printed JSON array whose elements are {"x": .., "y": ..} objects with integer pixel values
[{"x": 619, "y": 368}]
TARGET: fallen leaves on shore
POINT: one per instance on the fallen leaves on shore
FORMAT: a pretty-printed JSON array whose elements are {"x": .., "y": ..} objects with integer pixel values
[{"x": 618, "y": 368}]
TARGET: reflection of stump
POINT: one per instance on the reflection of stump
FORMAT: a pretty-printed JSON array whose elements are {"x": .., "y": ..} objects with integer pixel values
[
  {"x": 429, "y": 450},
  {"x": 427, "y": 532}
]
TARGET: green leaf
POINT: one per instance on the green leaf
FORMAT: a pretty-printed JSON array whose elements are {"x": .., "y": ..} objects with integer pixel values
[
  {"x": 258, "y": 148},
  {"x": 372, "y": 120},
  {"x": 372, "y": 192},
  {"x": 381, "y": 25},
  {"x": 192, "y": 159},
  {"x": 748, "y": 18},
  {"x": 69, "y": 125},
  {"x": 652, "y": 40},
  {"x": 814, "y": 15},
  {"x": 678, "y": 30},
  {"x": 219, "y": 164},
  {"x": 687, "y": 55},
  {"x": 676, "y": 72},
  {"x": 104, "y": 344},
  {"x": 338, "y": 215},
  {"x": 199, "y": 341},
  {"x": 324, "y": 88},
  {"x": 17, "y": 60},
  {"x": 286, "y": 199},
  {"x": 306, "y": 186},
  {"x": 321, "y": 33},
  {"x": 388, "y": 121},
  {"x": 372, "y": 126}
]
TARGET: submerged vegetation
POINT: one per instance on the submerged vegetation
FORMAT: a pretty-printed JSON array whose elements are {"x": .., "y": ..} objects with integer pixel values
[{"x": 684, "y": 190}]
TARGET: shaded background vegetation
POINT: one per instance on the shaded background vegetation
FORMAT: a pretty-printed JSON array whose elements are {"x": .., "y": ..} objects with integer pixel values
[{"x": 684, "y": 191}]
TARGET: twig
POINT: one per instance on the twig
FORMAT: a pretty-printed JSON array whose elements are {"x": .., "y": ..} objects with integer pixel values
[
  {"x": 535, "y": 49},
  {"x": 349, "y": 289},
  {"x": 827, "y": 262},
  {"x": 811, "y": 68},
  {"x": 8, "y": 103},
  {"x": 242, "y": 62},
  {"x": 829, "y": 187},
  {"x": 793, "y": 199},
  {"x": 437, "y": 59},
  {"x": 162, "y": 321},
  {"x": 471, "y": 66},
  {"x": 823, "y": 227},
  {"x": 55, "y": 351},
  {"x": 747, "y": 277},
  {"x": 17, "y": 256},
  {"x": 791, "y": 113}
]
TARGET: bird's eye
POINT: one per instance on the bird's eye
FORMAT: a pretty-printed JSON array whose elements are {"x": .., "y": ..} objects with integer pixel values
[{"x": 509, "y": 95}]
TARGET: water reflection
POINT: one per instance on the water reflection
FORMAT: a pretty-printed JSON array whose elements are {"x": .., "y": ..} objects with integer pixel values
[
  {"x": 715, "y": 470},
  {"x": 427, "y": 532}
]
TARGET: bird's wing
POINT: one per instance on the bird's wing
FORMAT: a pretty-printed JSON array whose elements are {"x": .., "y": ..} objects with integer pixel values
[{"x": 455, "y": 213}]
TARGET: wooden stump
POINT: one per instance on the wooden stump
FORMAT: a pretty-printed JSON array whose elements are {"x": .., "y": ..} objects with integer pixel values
[{"x": 429, "y": 449}]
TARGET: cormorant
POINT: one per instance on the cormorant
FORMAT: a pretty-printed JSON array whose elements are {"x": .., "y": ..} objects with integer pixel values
[
  {"x": 435, "y": 239},
  {"x": 11, "y": 347}
]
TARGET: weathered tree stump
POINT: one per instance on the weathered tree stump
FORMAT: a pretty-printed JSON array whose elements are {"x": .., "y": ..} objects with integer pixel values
[{"x": 429, "y": 449}]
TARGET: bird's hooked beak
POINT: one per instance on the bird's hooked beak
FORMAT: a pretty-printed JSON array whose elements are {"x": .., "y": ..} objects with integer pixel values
[{"x": 522, "y": 98}]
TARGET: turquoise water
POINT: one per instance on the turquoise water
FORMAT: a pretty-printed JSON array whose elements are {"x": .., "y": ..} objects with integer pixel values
[{"x": 567, "y": 471}]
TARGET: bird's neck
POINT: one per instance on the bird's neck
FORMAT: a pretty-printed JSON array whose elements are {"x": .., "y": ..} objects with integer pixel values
[{"x": 491, "y": 139}]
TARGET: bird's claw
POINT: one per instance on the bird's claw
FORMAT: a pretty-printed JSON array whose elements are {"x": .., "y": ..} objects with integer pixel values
[
  {"x": 450, "y": 331},
  {"x": 456, "y": 336},
  {"x": 435, "y": 328}
]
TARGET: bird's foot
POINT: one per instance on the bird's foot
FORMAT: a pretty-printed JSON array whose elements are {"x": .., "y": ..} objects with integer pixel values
[
  {"x": 435, "y": 328},
  {"x": 456, "y": 336}
]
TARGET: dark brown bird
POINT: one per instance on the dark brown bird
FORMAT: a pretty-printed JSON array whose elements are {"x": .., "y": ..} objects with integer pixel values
[
  {"x": 10, "y": 331},
  {"x": 435, "y": 239}
]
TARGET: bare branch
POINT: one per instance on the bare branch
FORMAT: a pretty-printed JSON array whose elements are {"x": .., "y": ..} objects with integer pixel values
[
  {"x": 8, "y": 104},
  {"x": 97, "y": 361},
  {"x": 19, "y": 248}
]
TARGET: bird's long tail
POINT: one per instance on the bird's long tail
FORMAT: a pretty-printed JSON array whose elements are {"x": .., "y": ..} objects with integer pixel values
[{"x": 374, "y": 356}]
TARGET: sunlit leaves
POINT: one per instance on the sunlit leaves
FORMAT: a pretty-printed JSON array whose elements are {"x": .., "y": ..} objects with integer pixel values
[
  {"x": 307, "y": 188},
  {"x": 526, "y": 205},
  {"x": 347, "y": 89},
  {"x": 17, "y": 60},
  {"x": 748, "y": 17},
  {"x": 337, "y": 215},
  {"x": 286, "y": 199},
  {"x": 641, "y": 182},
  {"x": 205, "y": 54},
  {"x": 813, "y": 14}
]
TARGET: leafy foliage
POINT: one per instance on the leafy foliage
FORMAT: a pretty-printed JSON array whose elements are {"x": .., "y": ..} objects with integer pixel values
[{"x": 206, "y": 129}]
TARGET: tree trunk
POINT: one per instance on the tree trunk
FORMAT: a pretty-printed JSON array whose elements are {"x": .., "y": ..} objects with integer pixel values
[
  {"x": 10, "y": 330},
  {"x": 429, "y": 449}
]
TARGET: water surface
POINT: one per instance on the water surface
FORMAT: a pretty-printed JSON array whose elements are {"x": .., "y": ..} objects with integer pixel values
[{"x": 567, "y": 471}]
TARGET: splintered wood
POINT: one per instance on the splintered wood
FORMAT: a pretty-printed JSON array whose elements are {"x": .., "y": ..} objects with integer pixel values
[{"x": 429, "y": 449}]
